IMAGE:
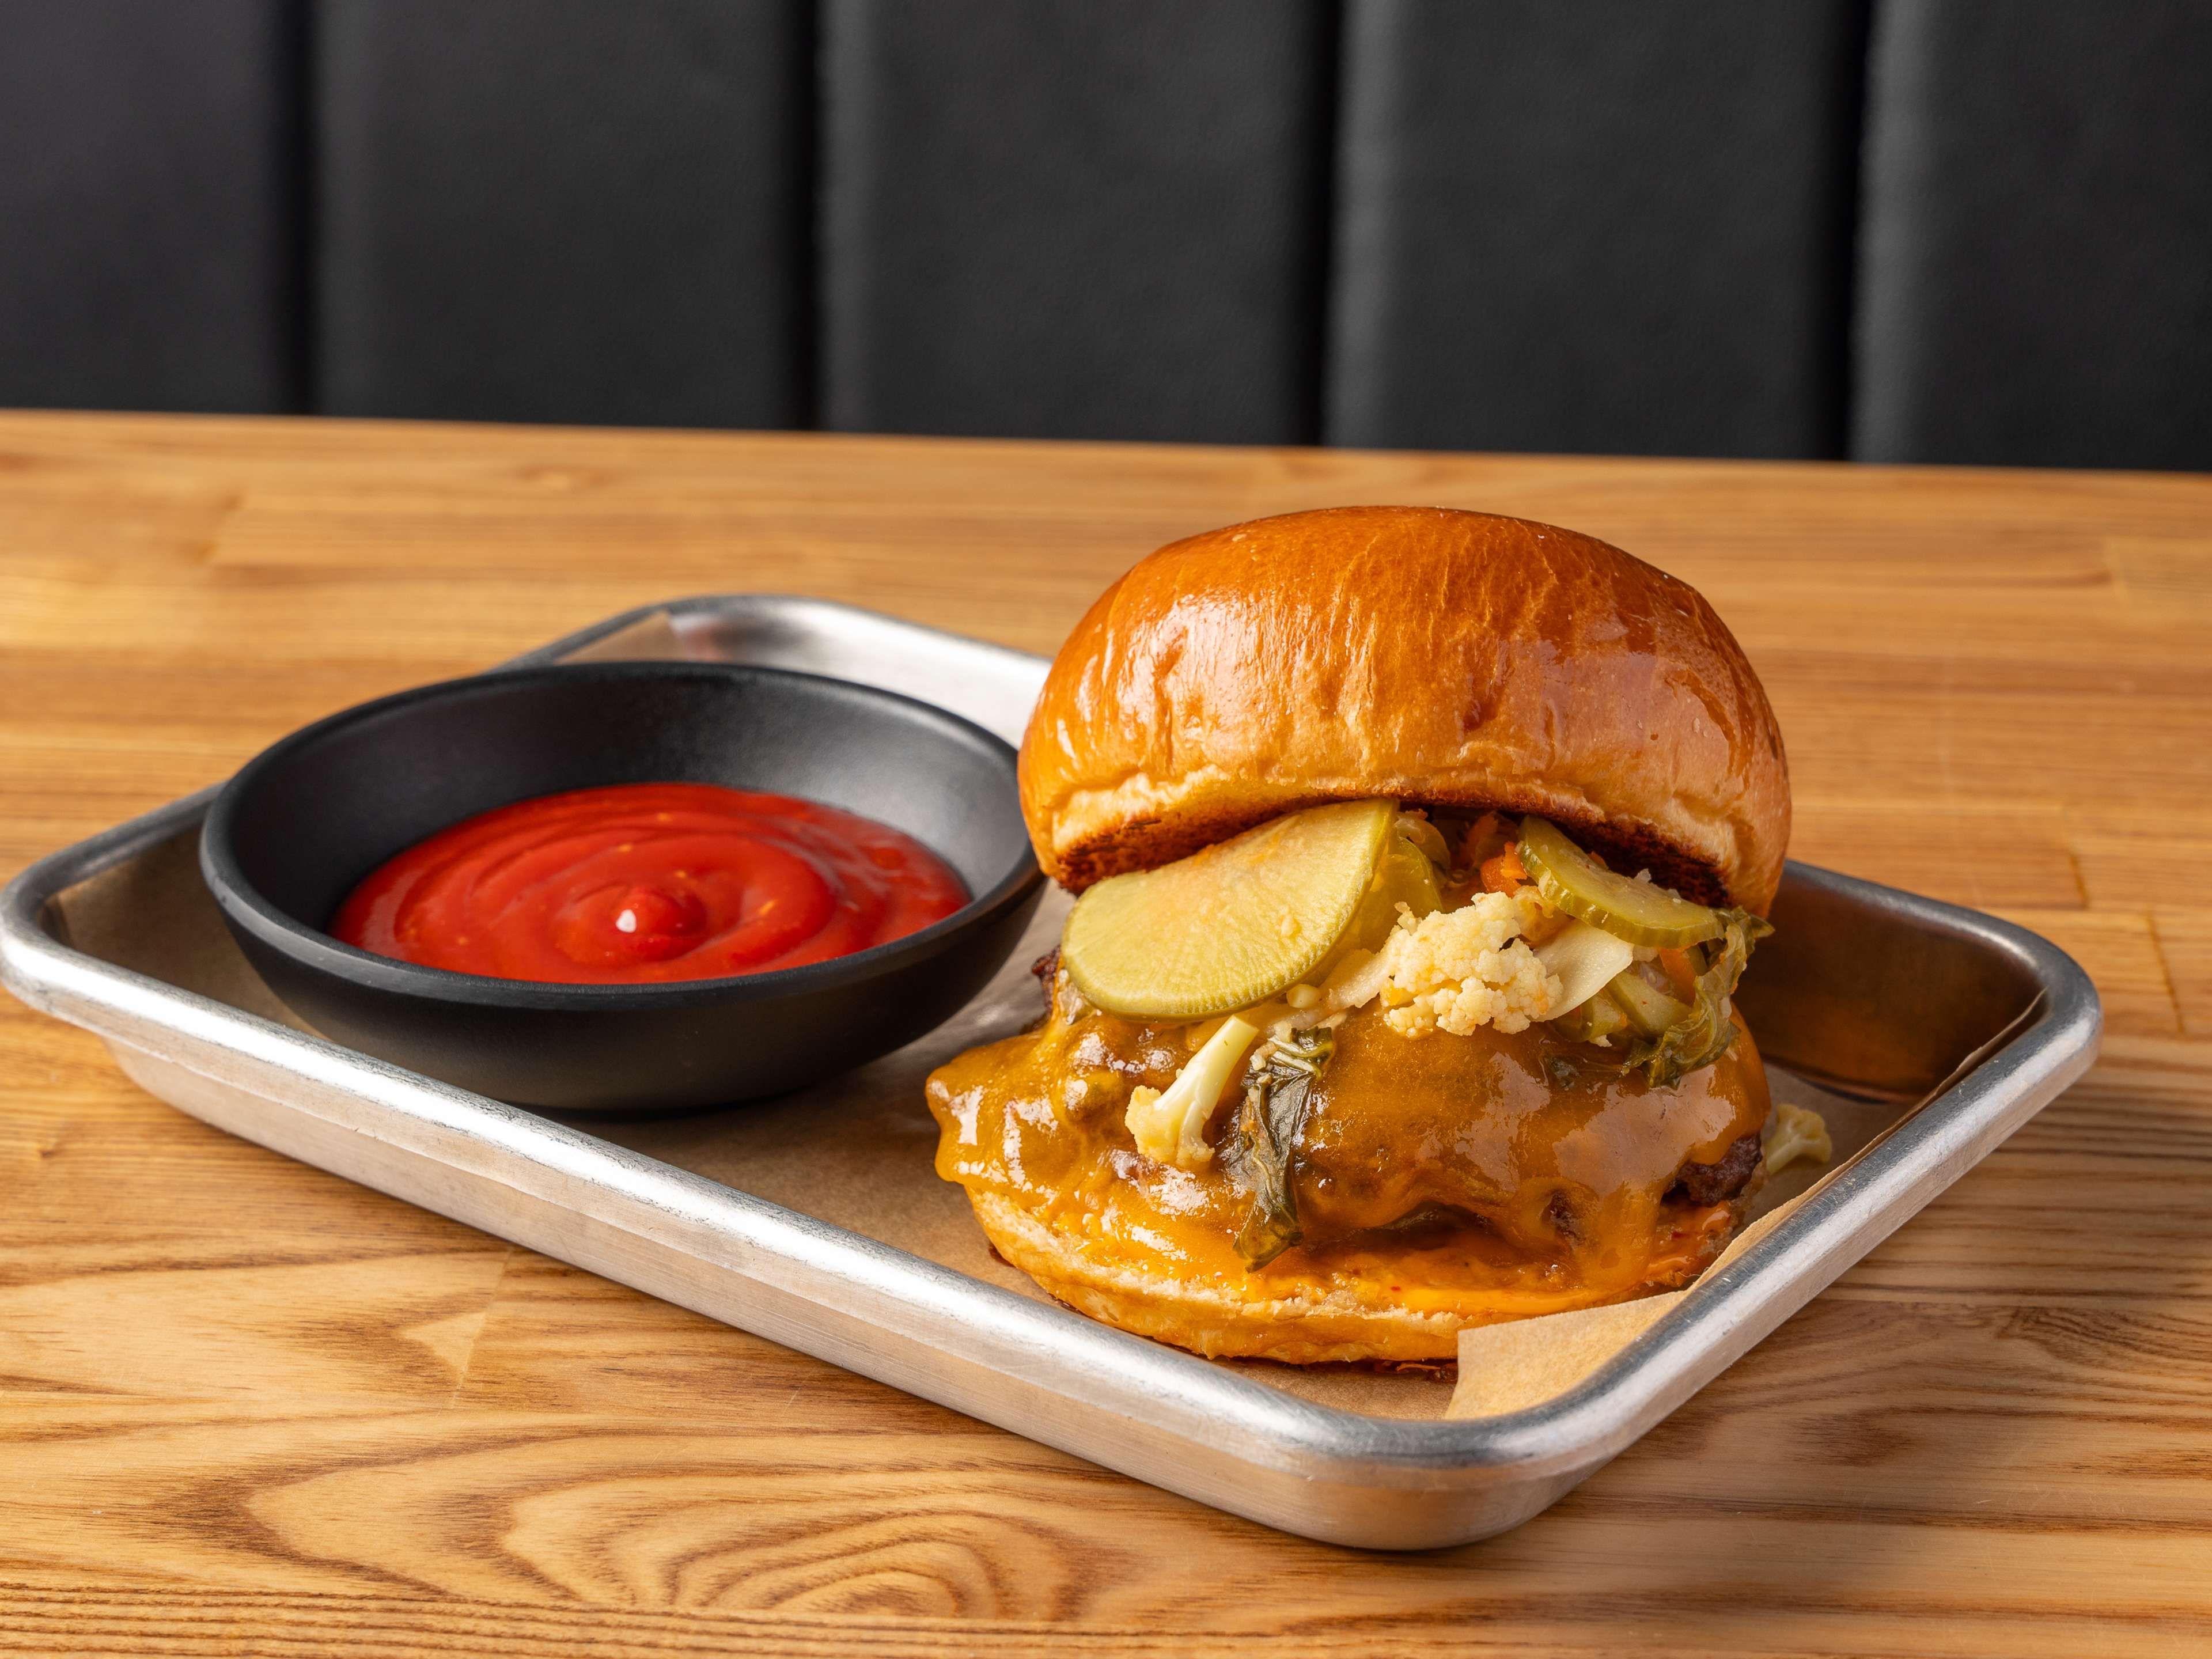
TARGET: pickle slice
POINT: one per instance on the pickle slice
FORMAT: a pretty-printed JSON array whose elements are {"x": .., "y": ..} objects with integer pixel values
[
  {"x": 1231, "y": 924},
  {"x": 1570, "y": 880}
]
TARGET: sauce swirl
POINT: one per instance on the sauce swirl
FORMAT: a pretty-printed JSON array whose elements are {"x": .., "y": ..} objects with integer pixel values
[{"x": 641, "y": 882}]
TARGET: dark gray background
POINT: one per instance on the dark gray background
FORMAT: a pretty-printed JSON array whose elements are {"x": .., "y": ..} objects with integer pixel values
[{"x": 1930, "y": 230}]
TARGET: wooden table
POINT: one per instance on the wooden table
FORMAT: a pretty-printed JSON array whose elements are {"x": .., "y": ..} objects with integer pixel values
[{"x": 248, "y": 1406}]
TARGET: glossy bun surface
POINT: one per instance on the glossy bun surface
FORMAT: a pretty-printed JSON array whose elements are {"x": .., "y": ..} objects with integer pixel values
[{"x": 1437, "y": 657}]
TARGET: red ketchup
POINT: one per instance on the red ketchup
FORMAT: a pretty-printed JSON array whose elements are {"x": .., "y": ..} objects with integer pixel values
[{"x": 646, "y": 882}]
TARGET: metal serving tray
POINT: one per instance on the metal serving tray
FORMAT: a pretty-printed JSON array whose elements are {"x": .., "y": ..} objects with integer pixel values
[{"x": 1940, "y": 1029}]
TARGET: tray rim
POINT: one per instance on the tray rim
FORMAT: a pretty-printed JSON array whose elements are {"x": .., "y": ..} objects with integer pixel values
[{"x": 1045, "y": 1346}]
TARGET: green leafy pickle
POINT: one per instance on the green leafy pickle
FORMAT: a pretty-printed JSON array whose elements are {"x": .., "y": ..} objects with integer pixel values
[
  {"x": 1264, "y": 1142},
  {"x": 1704, "y": 1034}
]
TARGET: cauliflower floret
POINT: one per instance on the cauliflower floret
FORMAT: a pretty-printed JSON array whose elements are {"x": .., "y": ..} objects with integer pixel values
[
  {"x": 1795, "y": 1132},
  {"x": 1457, "y": 971}
]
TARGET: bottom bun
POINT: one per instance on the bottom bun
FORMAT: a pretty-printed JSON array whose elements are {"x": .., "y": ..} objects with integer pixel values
[{"x": 1300, "y": 1323}]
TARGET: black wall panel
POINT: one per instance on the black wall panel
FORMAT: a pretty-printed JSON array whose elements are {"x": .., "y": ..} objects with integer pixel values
[
  {"x": 1596, "y": 225},
  {"x": 1060, "y": 218},
  {"x": 564, "y": 210},
  {"x": 148, "y": 214},
  {"x": 2037, "y": 252}
]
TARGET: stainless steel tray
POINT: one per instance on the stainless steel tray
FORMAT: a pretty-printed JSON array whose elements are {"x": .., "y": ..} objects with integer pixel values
[{"x": 1949, "y": 1029}]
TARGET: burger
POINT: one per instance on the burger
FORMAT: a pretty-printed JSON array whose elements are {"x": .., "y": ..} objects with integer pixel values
[{"x": 1417, "y": 854}]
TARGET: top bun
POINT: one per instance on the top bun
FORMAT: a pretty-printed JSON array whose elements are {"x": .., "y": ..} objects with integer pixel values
[{"x": 1437, "y": 657}]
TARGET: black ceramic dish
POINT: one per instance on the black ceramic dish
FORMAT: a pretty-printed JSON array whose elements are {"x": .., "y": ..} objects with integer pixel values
[{"x": 294, "y": 832}]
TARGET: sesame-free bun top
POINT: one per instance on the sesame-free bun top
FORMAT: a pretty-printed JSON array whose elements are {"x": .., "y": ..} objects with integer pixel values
[{"x": 1439, "y": 658}]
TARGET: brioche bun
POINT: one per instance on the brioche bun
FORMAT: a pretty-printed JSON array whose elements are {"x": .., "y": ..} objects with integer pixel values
[
  {"x": 1301, "y": 1324},
  {"x": 1439, "y": 658}
]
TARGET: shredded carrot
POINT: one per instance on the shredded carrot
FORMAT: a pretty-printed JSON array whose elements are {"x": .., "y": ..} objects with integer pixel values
[
  {"x": 1676, "y": 966},
  {"x": 1504, "y": 873}
]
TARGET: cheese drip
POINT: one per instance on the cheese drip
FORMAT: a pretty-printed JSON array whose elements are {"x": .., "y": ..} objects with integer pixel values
[{"x": 1445, "y": 1172}]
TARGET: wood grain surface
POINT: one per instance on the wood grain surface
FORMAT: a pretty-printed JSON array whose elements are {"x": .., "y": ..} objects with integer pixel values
[{"x": 247, "y": 1408}]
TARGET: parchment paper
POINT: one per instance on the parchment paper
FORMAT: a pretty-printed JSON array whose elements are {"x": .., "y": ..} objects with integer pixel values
[{"x": 857, "y": 1151}]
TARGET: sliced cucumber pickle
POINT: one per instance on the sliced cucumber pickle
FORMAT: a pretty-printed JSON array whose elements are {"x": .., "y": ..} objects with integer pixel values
[
  {"x": 1231, "y": 924},
  {"x": 1570, "y": 880}
]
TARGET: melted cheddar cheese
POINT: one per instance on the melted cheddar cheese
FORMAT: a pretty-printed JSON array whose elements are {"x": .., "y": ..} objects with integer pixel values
[{"x": 1445, "y": 1172}]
